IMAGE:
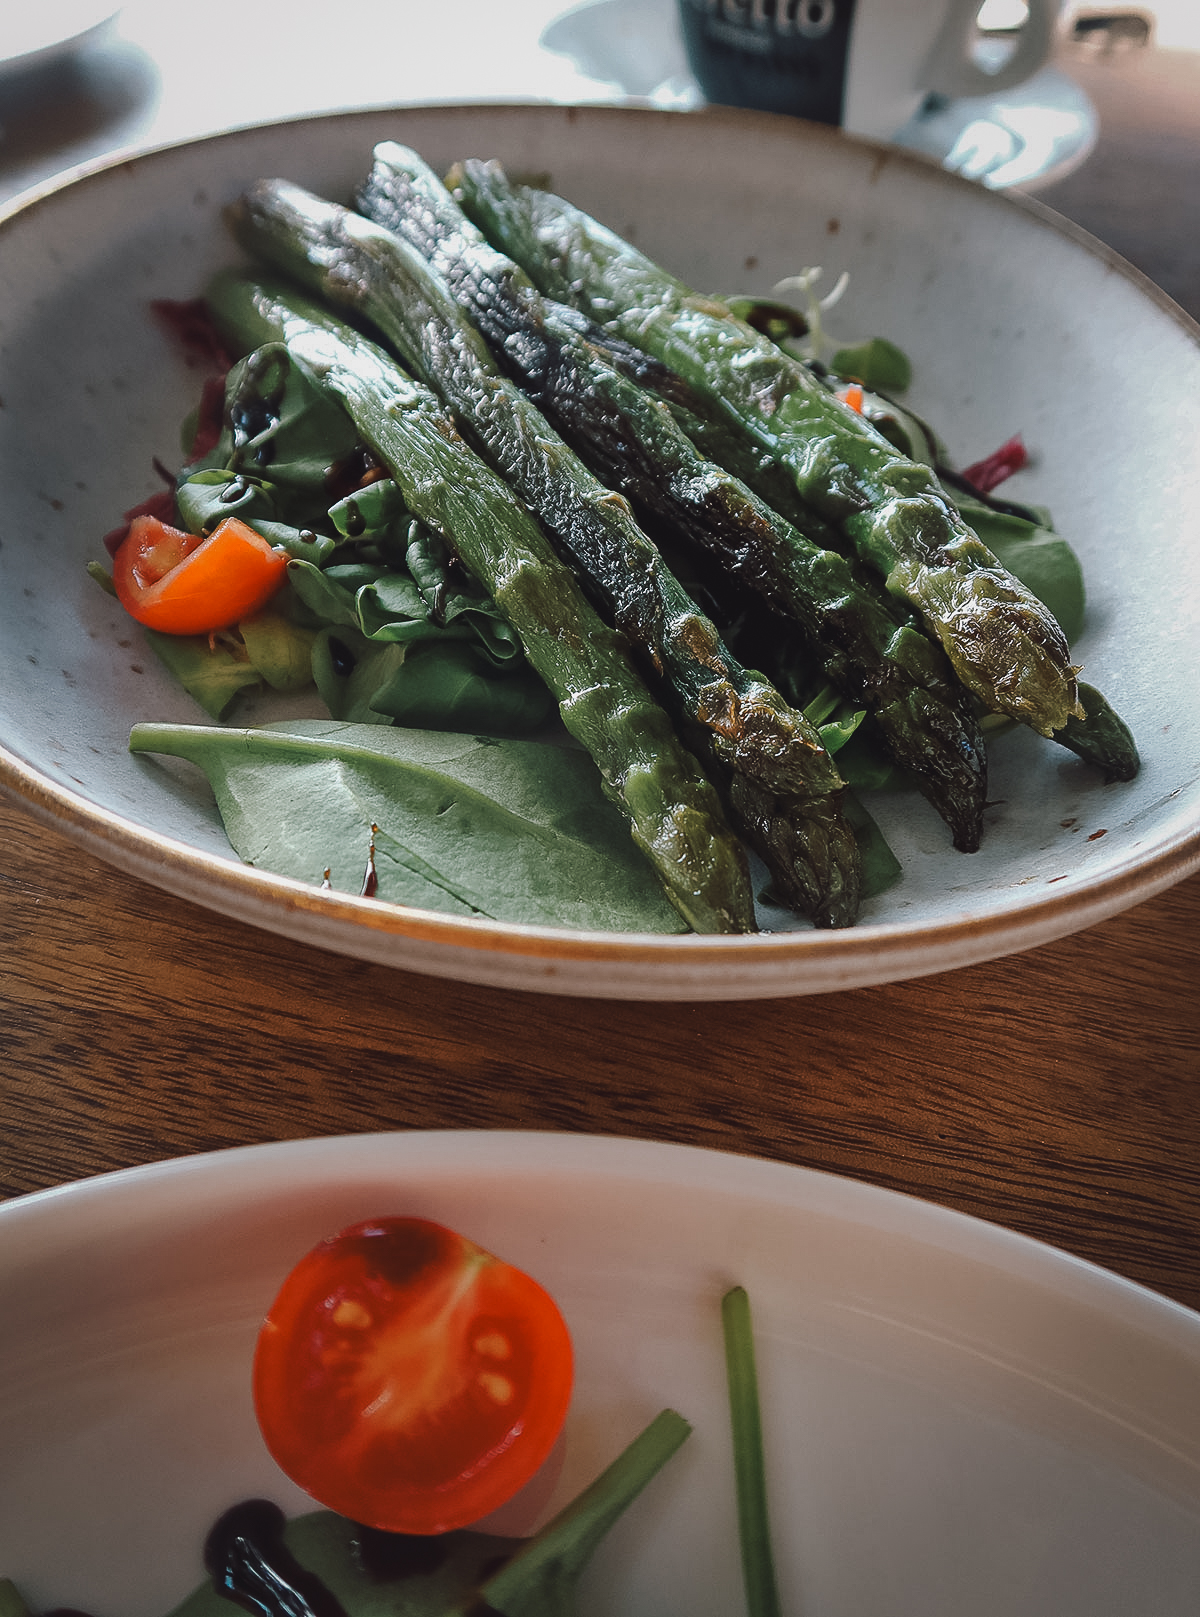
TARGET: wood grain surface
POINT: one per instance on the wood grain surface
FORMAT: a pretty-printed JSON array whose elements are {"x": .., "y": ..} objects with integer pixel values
[{"x": 1056, "y": 1092}]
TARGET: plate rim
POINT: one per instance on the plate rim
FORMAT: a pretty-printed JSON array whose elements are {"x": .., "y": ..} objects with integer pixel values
[
  {"x": 272, "y": 1166},
  {"x": 511, "y": 954}
]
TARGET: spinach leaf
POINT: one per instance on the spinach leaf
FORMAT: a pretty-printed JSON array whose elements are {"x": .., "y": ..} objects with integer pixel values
[
  {"x": 513, "y": 830},
  {"x": 211, "y": 671},
  {"x": 207, "y": 497},
  {"x": 348, "y": 670},
  {"x": 877, "y": 363},
  {"x": 368, "y": 582},
  {"x": 282, "y": 428},
  {"x": 447, "y": 686},
  {"x": 279, "y": 648}
]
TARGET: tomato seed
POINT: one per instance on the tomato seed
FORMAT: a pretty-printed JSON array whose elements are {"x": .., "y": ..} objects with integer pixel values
[
  {"x": 498, "y": 1388},
  {"x": 351, "y": 1316}
]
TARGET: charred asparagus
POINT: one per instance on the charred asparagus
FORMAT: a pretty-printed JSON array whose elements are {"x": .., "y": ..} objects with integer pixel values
[
  {"x": 1004, "y": 645},
  {"x": 632, "y": 442},
  {"x": 674, "y": 814},
  {"x": 780, "y": 787}
]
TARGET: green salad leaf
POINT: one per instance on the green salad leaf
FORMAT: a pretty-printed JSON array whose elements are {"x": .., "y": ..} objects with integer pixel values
[
  {"x": 877, "y": 363},
  {"x": 280, "y": 431},
  {"x": 211, "y": 672},
  {"x": 512, "y": 830},
  {"x": 368, "y": 585}
]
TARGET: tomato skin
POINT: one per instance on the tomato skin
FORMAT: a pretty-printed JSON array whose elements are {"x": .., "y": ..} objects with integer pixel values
[
  {"x": 183, "y": 583},
  {"x": 409, "y": 1380}
]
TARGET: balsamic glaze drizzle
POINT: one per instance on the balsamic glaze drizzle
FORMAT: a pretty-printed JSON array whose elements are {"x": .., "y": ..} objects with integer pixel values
[
  {"x": 250, "y": 1564},
  {"x": 370, "y": 884}
]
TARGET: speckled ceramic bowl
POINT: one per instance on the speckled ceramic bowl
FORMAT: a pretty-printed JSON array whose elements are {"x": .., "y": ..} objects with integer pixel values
[{"x": 1015, "y": 322}]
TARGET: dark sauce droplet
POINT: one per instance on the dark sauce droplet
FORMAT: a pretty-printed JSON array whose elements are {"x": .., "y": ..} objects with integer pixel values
[
  {"x": 255, "y": 411},
  {"x": 341, "y": 657},
  {"x": 355, "y": 470},
  {"x": 249, "y": 1563},
  {"x": 389, "y": 1557},
  {"x": 370, "y": 877}
]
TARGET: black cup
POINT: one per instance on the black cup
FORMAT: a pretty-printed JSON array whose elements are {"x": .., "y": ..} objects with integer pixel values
[{"x": 771, "y": 55}]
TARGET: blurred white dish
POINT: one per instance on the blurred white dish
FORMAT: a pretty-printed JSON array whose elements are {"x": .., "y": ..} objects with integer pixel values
[
  {"x": 958, "y": 1420},
  {"x": 1029, "y": 136},
  {"x": 1015, "y": 322},
  {"x": 32, "y": 35}
]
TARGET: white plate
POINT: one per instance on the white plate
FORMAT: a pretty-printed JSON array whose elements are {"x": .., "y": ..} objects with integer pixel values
[
  {"x": 1015, "y": 323},
  {"x": 958, "y": 1419}
]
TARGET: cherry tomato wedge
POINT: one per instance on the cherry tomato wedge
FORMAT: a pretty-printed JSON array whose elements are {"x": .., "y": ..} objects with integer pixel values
[
  {"x": 408, "y": 1379},
  {"x": 181, "y": 583}
]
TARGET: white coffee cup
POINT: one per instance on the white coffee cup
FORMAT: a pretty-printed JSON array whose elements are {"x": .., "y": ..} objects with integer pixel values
[
  {"x": 902, "y": 51},
  {"x": 867, "y": 65}
]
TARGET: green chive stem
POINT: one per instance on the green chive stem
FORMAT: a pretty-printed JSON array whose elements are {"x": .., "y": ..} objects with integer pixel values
[{"x": 754, "y": 1528}]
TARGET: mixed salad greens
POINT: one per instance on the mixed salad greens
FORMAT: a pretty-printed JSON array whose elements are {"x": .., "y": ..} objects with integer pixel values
[
  {"x": 416, "y": 1382},
  {"x": 579, "y": 561}
]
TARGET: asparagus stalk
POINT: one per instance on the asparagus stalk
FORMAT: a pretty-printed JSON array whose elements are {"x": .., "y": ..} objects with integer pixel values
[
  {"x": 674, "y": 814},
  {"x": 632, "y": 443},
  {"x": 1100, "y": 737},
  {"x": 781, "y": 789},
  {"x": 1004, "y": 645}
]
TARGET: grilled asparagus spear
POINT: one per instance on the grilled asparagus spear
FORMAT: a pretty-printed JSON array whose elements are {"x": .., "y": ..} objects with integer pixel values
[
  {"x": 632, "y": 442},
  {"x": 674, "y": 814},
  {"x": 780, "y": 787},
  {"x": 1100, "y": 737},
  {"x": 1003, "y": 643}
]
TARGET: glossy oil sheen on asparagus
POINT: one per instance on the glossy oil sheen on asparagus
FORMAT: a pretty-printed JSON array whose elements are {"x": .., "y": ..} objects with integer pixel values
[
  {"x": 632, "y": 442},
  {"x": 1005, "y": 646}
]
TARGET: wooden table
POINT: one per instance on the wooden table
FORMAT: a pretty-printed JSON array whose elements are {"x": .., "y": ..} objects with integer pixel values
[
  {"x": 1054, "y": 1092},
  {"x": 1057, "y": 1093}
]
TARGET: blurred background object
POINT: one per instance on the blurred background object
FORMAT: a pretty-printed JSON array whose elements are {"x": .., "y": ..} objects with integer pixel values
[
  {"x": 1139, "y": 189},
  {"x": 31, "y": 36},
  {"x": 1107, "y": 133},
  {"x": 871, "y": 66}
]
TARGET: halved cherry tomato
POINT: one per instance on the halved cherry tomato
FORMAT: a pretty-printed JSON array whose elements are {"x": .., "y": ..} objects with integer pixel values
[
  {"x": 181, "y": 583},
  {"x": 408, "y": 1379}
]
